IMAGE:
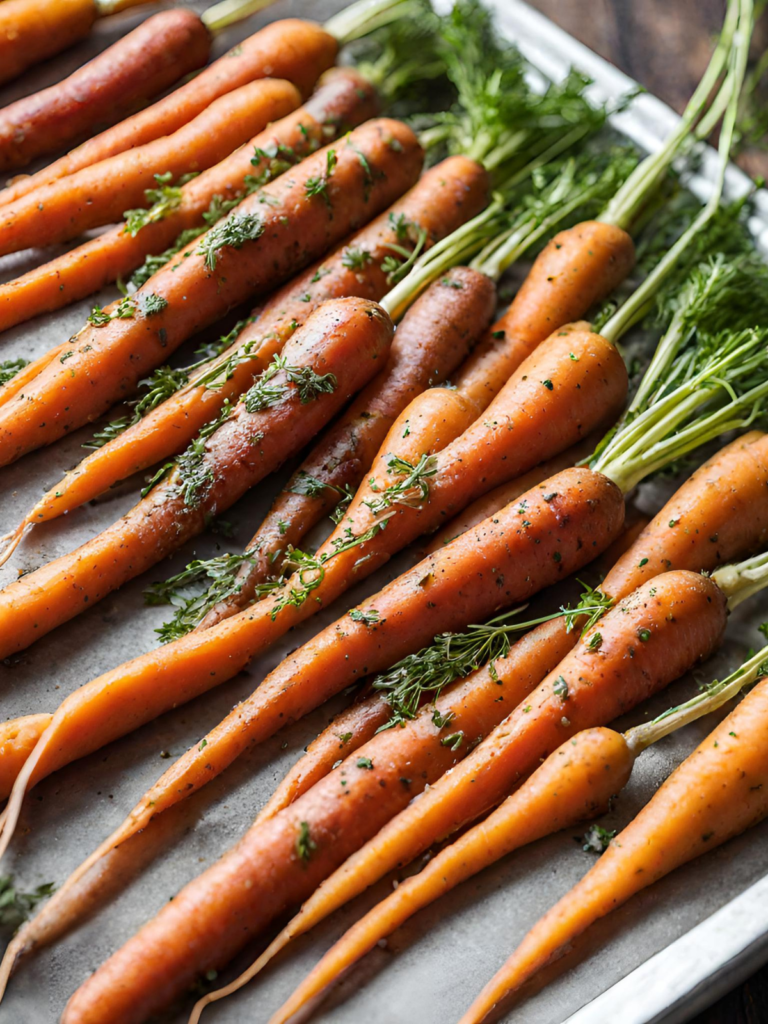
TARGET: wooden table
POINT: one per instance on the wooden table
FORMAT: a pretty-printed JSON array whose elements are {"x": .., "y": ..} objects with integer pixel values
[{"x": 665, "y": 45}]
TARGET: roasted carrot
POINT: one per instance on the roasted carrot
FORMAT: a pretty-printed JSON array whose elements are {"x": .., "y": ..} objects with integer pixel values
[
  {"x": 433, "y": 338},
  {"x": 715, "y": 794},
  {"x": 124, "y": 77},
  {"x": 194, "y": 934},
  {"x": 298, "y": 51},
  {"x": 450, "y": 192},
  {"x": 269, "y": 235},
  {"x": 32, "y": 32},
  {"x": 343, "y": 100},
  {"x": 100, "y": 194}
]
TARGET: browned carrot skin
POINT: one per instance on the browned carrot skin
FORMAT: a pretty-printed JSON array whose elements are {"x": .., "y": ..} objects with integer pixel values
[
  {"x": 298, "y": 51},
  {"x": 33, "y": 30},
  {"x": 123, "y": 78},
  {"x": 434, "y": 337},
  {"x": 246, "y": 448},
  {"x": 579, "y": 267},
  {"x": 107, "y": 362},
  {"x": 343, "y": 100},
  {"x": 445, "y": 196},
  {"x": 719, "y": 791},
  {"x": 172, "y": 947},
  {"x": 101, "y": 194}
]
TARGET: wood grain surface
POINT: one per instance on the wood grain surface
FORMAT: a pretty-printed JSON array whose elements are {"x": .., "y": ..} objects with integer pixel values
[{"x": 665, "y": 45}]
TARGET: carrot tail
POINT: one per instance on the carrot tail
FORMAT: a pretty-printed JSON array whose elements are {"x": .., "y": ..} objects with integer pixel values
[
  {"x": 575, "y": 783},
  {"x": 716, "y": 793}
]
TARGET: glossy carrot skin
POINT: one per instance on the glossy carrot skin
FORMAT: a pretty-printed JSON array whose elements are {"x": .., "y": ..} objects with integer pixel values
[
  {"x": 444, "y": 197},
  {"x": 434, "y": 337},
  {"x": 684, "y": 615},
  {"x": 343, "y": 100},
  {"x": 108, "y": 361},
  {"x": 101, "y": 194},
  {"x": 298, "y": 51},
  {"x": 715, "y": 794},
  {"x": 240, "y": 453},
  {"x": 31, "y": 32},
  {"x": 173, "y": 943},
  {"x": 124, "y": 77},
  {"x": 577, "y": 268},
  {"x": 574, "y": 784}
]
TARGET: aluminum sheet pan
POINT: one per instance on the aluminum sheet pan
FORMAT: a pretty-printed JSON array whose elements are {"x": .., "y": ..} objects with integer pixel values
[{"x": 433, "y": 967}]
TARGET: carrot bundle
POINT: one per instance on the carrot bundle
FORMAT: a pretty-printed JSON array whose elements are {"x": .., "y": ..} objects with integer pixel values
[
  {"x": 575, "y": 783},
  {"x": 269, "y": 235},
  {"x": 715, "y": 794},
  {"x": 138, "y": 67},
  {"x": 342, "y": 101},
  {"x": 687, "y": 607},
  {"x": 298, "y": 51},
  {"x": 103, "y": 193},
  {"x": 444, "y": 196}
]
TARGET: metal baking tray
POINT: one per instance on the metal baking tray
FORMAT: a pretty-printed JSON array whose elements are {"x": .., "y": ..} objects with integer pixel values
[{"x": 662, "y": 957}]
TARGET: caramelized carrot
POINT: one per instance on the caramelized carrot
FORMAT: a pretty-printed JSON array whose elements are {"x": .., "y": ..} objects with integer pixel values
[
  {"x": 136, "y": 68},
  {"x": 342, "y": 101},
  {"x": 298, "y": 51}
]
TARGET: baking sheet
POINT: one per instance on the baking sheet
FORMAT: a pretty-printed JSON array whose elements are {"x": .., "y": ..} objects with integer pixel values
[{"x": 433, "y": 967}]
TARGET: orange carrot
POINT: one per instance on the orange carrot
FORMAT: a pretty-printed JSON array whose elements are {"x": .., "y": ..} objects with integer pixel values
[
  {"x": 574, "y": 784},
  {"x": 267, "y": 237},
  {"x": 194, "y": 933},
  {"x": 298, "y": 51},
  {"x": 433, "y": 338},
  {"x": 100, "y": 194},
  {"x": 715, "y": 794},
  {"x": 136, "y": 68},
  {"x": 17, "y": 740},
  {"x": 31, "y": 32},
  {"x": 445, "y": 196},
  {"x": 343, "y": 100}
]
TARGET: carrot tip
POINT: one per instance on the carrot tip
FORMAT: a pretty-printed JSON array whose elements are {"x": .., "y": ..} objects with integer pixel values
[{"x": 14, "y": 539}]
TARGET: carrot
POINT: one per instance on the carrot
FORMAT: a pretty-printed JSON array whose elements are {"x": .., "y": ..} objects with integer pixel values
[
  {"x": 574, "y": 784},
  {"x": 718, "y": 792},
  {"x": 506, "y": 493},
  {"x": 434, "y": 337},
  {"x": 445, "y": 195},
  {"x": 100, "y": 194},
  {"x": 32, "y": 32},
  {"x": 268, "y": 235},
  {"x": 194, "y": 933},
  {"x": 577, "y": 268},
  {"x": 343, "y": 100},
  {"x": 298, "y": 51},
  {"x": 125, "y": 76}
]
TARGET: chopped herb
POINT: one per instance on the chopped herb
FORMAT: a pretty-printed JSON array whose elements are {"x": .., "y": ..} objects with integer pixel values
[
  {"x": 231, "y": 233},
  {"x": 10, "y": 368},
  {"x": 152, "y": 304},
  {"x": 560, "y": 688},
  {"x": 597, "y": 839},
  {"x": 411, "y": 489},
  {"x": 364, "y": 762},
  {"x": 160, "y": 202},
  {"x": 356, "y": 259},
  {"x": 367, "y": 618},
  {"x": 305, "y": 844},
  {"x": 318, "y": 186},
  {"x": 15, "y": 906},
  {"x": 453, "y": 741}
]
